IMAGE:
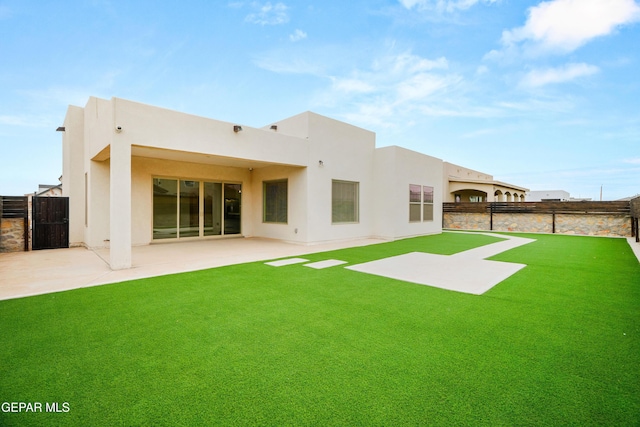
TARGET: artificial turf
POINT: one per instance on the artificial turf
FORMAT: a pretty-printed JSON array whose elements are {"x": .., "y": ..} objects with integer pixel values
[{"x": 558, "y": 343}]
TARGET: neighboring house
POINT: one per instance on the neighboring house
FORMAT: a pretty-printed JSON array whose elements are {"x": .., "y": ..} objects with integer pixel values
[
  {"x": 467, "y": 185},
  {"x": 137, "y": 174},
  {"x": 625, "y": 199},
  {"x": 48, "y": 191},
  {"x": 548, "y": 196}
]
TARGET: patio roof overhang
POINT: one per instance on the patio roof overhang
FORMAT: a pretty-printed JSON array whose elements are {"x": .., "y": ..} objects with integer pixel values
[{"x": 191, "y": 157}]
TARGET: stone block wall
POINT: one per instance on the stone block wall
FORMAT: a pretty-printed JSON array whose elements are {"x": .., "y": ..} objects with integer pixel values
[
  {"x": 594, "y": 225},
  {"x": 466, "y": 221},
  {"x": 527, "y": 223},
  {"x": 618, "y": 225},
  {"x": 12, "y": 234}
]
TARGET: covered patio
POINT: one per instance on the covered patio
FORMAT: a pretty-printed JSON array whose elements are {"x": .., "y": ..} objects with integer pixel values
[{"x": 41, "y": 272}]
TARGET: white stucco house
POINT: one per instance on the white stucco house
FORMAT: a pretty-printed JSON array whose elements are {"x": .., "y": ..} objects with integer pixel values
[{"x": 137, "y": 174}]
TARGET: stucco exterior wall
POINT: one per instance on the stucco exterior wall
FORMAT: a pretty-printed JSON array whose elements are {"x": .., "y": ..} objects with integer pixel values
[
  {"x": 99, "y": 126},
  {"x": 347, "y": 154},
  {"x": 396, "y": 169},
  {"x": 73, "y": 168},
  {"x": 297, "y": 227},
  {"x": 148, "y": 126},
  {"x": 97, "y": 231}
]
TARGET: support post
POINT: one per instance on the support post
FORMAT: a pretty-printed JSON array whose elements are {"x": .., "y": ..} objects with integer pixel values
[
  {"x": 120, "y": 204},
  {"x": 491, "y": 216}
]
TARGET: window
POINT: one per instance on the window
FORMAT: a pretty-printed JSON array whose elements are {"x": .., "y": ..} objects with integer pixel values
[
  {"x": 415, "y": 202},
  {"x": 420, "y": 203},
  {"x": 274, "y": 194},
  {"x": 427, "y": 206},
  {"x": 344, "y": 202}
]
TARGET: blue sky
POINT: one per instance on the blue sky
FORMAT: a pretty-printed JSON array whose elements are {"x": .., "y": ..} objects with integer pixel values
[{"x": 545, "y": 95}]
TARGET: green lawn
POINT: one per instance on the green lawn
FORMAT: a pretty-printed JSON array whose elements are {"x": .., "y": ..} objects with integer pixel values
[{"x": 558, "y": 343}]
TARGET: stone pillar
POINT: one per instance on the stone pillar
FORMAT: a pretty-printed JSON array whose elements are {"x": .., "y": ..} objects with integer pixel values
[{"x": 120, "y": 203}]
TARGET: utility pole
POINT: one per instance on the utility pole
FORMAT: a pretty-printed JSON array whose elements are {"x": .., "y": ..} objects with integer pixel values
[{"x": 601, "y": 192}]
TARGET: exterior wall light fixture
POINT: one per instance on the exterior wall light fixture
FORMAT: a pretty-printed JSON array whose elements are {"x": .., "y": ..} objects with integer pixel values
[
  {"x": 237, "y": 128},
  {"x": 274, "y": 127}
]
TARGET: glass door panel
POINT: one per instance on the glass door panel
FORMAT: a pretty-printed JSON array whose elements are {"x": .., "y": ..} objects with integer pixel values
[
  {"x": 165, "y": 206},
  {"x": 212, "y": 209},
  {"x": 189, "y": 208},
  {"x": 232, "y": 205}
]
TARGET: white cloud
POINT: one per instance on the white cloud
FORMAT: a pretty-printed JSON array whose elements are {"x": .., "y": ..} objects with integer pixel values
[
  {"x": 352, "y": 85},
  {"x": 297, "y": 35},
  {"x": 635, "y": 161},
  {"x": 482, "y": 69},
  {"x": 275, "y": 63},
  {"x": 422, "y": 86},
  {"x": 268, "y": 14},
  {"x": 394, "y": 84},
  {"x": 567, "y": 73},
  {"x": 390, "y": 91},
  {"x": 565, "y": 25},
  {"x": 409, "y": 63},
  {"x": 442, "y": 5}
]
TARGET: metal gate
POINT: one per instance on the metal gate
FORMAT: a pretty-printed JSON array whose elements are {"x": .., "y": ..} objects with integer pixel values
[{"x": 50, "y": 223}]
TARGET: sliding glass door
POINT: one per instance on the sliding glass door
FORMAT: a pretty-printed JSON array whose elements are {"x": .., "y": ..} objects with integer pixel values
[
  {"x": 165, "y": 207},
  {"x": 189, "y": 219},
  {"x": 188, "y": 208},
  {"x": 212, "y": 209}
]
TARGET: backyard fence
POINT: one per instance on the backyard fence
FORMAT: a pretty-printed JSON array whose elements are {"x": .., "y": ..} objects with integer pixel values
[
  {"x": 583, "y": 218},
  {"x": 635, "y": 214},
  {"x": 14, "y": 223}
]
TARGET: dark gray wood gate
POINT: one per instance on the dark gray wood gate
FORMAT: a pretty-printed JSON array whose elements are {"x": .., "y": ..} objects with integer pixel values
[{"x": 50, "y": 223}]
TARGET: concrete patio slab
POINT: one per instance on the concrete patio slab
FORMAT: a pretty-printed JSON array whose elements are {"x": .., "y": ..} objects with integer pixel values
[
  {"x": 466, "y": 271},
  {"x": 288, "y": 261},
  {"x": 472, "y": 276},
  {"x": 487, "y": 251},
  {"x": 325, "y": 264},
  {"x": 39, "y": 272}
]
